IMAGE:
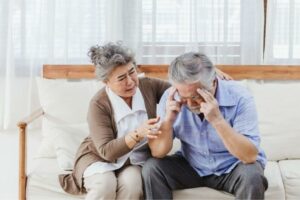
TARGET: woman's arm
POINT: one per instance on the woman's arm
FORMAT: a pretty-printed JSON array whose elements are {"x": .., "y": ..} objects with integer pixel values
[{"x": 103, "y": 135}]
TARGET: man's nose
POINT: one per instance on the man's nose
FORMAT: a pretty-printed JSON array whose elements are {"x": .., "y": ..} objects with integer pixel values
[{"x": 192, "y": 103}]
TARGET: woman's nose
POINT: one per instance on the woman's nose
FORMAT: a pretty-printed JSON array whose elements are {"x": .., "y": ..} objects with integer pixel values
[{"x": 129, "y": 79}]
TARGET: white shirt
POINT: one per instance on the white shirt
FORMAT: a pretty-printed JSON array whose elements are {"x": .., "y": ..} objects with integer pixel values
[{"x": 127, "y": 120}]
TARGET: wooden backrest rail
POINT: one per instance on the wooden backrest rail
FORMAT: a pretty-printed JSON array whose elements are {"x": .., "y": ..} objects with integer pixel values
[{"x": 259, "y": 72}]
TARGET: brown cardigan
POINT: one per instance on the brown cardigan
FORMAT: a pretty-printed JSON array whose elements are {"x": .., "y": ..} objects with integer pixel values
[{"x": 102, "y": 144}]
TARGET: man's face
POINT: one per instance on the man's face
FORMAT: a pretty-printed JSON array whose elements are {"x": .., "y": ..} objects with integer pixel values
[{"x": 187, "y": 94}]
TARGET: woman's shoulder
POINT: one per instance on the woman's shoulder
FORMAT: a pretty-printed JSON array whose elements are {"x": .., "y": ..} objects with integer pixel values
[{"x": 100, "y": 99}]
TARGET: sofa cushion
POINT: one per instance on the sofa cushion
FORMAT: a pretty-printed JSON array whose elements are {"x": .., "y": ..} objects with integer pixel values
[
  {"x": 64, "y": 102},
  {"x": 42, "y": 183},
  {"x": 273, "y": 175},
  {"x": 276, "y": 106},
  {"x": 291, "y": 178},
  {"x": 67, "y": 141}
]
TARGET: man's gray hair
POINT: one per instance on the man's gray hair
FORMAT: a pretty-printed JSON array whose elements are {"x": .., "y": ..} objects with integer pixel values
[
  {"x": 109, "y": 56},
  {"x": 192, "y": 67}
]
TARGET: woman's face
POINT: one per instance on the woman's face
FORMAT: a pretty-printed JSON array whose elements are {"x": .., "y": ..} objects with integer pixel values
[{"x": 123, "y": 80}]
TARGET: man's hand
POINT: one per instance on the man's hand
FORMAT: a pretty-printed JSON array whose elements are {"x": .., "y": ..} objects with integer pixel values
[
  {"x": 210, "y": 108},
  {"x": 173, "y": 107}
]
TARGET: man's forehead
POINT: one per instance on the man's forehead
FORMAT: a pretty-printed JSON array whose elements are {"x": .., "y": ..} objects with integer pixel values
[{"x": 188, "y": 86}]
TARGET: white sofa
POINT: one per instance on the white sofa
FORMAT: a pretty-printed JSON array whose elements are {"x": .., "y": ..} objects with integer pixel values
[{"x": 64, "y": 125}]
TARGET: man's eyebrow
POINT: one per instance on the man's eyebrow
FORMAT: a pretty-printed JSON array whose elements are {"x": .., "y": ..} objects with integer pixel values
[
  {"x": 196, "y": 95},
  {"x": 124, "y": 75}
]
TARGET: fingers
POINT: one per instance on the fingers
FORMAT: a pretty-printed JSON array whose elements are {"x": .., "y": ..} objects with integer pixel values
[
  {"x": 223, "y": 75},
  {"x": 153, "y": 125},
  {"x": 153, "y": 120},
  {"x": 172, "y": 94},
  {"x": 207, "y": 96},
  {"x": 153, "y": 134},
  {"x": 174, "y": 106}
]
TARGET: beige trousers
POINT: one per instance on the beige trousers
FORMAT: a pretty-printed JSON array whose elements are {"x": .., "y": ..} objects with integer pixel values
[{"x": 123, "y": 184}]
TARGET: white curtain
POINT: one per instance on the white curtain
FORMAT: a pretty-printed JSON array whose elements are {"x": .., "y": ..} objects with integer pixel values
[
  {"x": 229, "y": 31},
  {"x": 37, "y": 32},
  {"x": 283, "y": 32}
]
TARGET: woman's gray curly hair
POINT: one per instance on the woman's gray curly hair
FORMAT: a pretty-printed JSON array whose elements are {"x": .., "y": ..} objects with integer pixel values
[{"x": 109, "y": 56}]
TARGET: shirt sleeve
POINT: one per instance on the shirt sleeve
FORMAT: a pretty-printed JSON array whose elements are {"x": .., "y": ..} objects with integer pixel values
[
  {"x": 161, "y": 107},
  {"x": 246, "y": 120}
]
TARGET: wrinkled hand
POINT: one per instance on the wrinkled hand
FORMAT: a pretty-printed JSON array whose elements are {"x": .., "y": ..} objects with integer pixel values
[
  {"x": 173, "y": 107},
  {"x": 149, "y": 128},
  {"x": 210, "y": 108}
]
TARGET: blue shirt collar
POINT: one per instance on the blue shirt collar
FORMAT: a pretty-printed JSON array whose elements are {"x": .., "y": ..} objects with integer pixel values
[{"x": 223, "y": 95}]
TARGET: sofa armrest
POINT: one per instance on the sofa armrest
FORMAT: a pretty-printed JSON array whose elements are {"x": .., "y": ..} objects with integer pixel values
[{"x": 22, "y": 150}]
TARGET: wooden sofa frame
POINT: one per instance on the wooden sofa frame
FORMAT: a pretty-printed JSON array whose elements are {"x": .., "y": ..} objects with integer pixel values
[{"x": 259, "y": 72}]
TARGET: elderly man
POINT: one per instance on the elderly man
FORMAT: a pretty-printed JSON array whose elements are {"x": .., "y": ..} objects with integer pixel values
[{"x": 217, "y": 125}]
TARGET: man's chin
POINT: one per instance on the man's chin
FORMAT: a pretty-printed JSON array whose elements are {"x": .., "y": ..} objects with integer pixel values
[{"x": 195, "y": 110}]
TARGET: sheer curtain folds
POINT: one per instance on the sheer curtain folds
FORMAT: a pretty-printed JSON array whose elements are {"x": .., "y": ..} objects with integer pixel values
[
  {"x": 226, "y": 30},
  {"x": 283, "y": 32},
  {"x": 37, "y": 32}
]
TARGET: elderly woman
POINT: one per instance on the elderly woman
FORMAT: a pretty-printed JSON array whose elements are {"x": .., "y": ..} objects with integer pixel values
[{"x": 121, "y": 117}]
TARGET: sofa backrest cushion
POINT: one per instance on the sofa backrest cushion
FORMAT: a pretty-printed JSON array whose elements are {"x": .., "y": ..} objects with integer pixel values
[
  {"x": 64, "y": 103},
  {"x": 279, "y": 117},
  {"x": 67, "y": 141}
]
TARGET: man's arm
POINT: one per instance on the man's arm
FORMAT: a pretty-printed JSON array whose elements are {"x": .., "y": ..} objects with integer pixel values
[
  {"x": 237, "y": 144},
  {"x": 162, "y": 144}
]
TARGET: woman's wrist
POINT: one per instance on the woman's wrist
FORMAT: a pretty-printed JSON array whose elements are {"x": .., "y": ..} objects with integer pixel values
[
  {"x": 134, "y": 138},
  {"x": 137, "y": 135}
]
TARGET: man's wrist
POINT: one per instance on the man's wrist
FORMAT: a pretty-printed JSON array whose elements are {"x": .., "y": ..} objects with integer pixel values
[
  {"x": 168, "y": 121},
  {"x": 217, "y": 122}
]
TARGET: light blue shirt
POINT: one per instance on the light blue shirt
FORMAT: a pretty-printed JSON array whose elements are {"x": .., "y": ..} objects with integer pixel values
[{"x": 201, "y": 146}]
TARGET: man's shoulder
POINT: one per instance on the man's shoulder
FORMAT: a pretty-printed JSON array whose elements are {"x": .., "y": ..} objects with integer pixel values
[{"x": 237, "y": 89}]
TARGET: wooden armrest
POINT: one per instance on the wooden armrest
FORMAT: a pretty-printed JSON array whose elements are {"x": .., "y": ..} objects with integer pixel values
[
  {"x": 27, "y": 120},
  {"x": 22, "y": 150}
]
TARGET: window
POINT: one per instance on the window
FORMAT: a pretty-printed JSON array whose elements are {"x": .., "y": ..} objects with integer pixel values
[
  {"x": 210, "y": 26},
  {"x": 283, "y": 32}
]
